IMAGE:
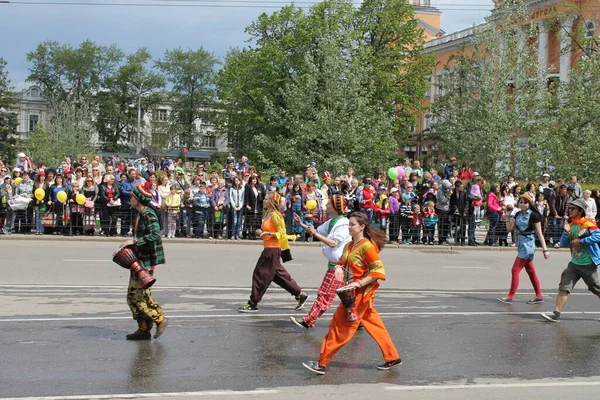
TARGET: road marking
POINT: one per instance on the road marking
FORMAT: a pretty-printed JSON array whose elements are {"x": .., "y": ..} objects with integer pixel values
[
  {"x": 295, "y": 265},
  {"x": 457, "y": 267},
  {"x": 75, "y": 260},
  {"x": 286, "y": 315},
  {"x": 151, "y": 395},
  {"x": 36, "y": 288},
  {"x": 495, "y": 385}
]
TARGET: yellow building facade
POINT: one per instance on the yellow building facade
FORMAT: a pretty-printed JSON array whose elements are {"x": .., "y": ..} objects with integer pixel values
[{"x": 554, "y": 43}]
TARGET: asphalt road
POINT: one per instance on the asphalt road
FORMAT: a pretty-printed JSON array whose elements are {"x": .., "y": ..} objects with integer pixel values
[{"x": 64, "y": 317}]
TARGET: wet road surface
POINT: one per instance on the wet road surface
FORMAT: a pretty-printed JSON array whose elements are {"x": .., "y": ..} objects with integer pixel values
[{"x": 73, "y": 341}]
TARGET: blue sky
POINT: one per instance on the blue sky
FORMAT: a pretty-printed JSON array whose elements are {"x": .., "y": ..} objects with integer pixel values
[{"x": 23, "y": 27}]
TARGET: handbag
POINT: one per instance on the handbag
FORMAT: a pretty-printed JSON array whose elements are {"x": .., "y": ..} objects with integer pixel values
[
  {"x": 286, "y": 255},
  {"x": 49, "y": 219},
  {"x": 66, "y": 218},
  {"x": 89, "y": 204}
]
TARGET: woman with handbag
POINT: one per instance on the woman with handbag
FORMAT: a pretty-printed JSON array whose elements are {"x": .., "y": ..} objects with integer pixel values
[
  {"x": 253, "y": 199},
  {"x": 108, "y": 203},
  {"x": 56, "y": 209},
  {"x": 90, "y": 191},
  {"x": 268, "y": 268},
  {"x": 39, "y": 208},
  {"x": 76, "y": 210},
  {"x": 219, "y": 200}
]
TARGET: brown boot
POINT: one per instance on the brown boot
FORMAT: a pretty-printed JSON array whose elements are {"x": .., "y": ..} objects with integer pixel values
[
  {"x": 160, "y": 327},
  {"x": 143, "y": 332},
  {"x": 139, "y": 335}
]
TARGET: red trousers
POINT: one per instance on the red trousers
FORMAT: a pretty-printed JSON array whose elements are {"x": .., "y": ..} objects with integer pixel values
[
  {"x": 518, "y": 266},
  {"x": 341, "y": 331},
  {"x": 325, "y": 298}
]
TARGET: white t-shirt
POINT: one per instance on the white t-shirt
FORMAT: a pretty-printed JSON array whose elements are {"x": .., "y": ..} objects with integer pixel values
[{"x": 339, "y": 233}]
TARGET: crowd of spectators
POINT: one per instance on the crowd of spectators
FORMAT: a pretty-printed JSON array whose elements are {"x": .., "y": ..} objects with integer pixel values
[{"x": 419, "y": 206}]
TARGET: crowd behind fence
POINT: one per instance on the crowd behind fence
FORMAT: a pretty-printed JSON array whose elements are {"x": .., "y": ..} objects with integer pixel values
[{"x": 411, "y": 205}]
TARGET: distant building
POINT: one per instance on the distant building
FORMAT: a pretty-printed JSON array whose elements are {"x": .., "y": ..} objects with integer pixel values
[{"x": 31, "y": 107}]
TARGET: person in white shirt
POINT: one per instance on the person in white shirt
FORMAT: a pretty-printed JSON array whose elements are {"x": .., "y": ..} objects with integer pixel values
[
  {"x": 334, "y": 235},
  {"x": 592, "y": 210}
]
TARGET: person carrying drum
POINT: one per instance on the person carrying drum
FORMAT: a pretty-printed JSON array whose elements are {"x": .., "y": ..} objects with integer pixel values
[
  {"x": 361, "y": 258},
  {"x": 150, "y": 253},
  {"x": 334, "y": 235}
]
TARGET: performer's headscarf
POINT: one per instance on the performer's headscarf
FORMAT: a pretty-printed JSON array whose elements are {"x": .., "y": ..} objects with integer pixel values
[{"x": 339, "y": 203}]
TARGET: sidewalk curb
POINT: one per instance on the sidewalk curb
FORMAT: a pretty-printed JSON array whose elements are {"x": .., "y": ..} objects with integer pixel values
[{"x": 120, "y": 239}]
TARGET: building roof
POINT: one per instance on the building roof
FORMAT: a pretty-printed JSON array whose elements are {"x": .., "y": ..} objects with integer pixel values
[{"x": 431, "y": 28}]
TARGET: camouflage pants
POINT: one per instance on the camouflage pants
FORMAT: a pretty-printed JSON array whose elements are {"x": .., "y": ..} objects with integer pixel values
[{"x": 141, "y": 304}]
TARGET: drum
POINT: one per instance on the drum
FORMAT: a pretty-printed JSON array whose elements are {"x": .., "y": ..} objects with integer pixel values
[
  {"x": 125, "y": 257},
  {"x": 348, "y": 297}
]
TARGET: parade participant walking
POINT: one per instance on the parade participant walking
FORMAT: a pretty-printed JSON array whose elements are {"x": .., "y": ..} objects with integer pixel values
[
  {"x": 149, "y": 251},
  {"x": 582, "y": 235},
  {"x": 334, "y": 235},
  {"x": 361, "y": 259},
  {"x": 268, "y": 267},
  {"x": 528, "y": 224}
]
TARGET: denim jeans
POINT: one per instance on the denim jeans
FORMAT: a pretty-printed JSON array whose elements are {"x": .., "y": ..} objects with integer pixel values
[
  {"x": 237, "y": 223},
  {"x": 200, "y": 216},
  {"x": 38, "y": 219},
  {"x": 493, "y": 218},
  {"x": 557, "y": 228},
  {"x": 369, "y": 213}
]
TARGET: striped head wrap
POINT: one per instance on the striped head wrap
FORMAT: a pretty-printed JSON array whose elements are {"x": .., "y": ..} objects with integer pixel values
[
  {"x": 142, "y": 194},
  {"x": 276, "y": 199},
  {"x": 339, "y": 203}
]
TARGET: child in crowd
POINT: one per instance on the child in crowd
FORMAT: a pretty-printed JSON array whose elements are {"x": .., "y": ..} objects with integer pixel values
[
  {"x": 295, "y": 203},
  {"x": 201, "y": 203},
  {"x": 429, "y": 222},
  {"x": 173, "y": 203},
  {"x": 382, "y": 208},
  {"x": 417, "y": 223},
  {"x": 406, "y": 214},
  {"x": 187, "y": 212},
  {"x": 476, "y": 197}
]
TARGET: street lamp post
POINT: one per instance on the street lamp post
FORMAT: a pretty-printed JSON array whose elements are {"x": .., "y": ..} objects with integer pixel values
[{"x": 139, "y": 140}]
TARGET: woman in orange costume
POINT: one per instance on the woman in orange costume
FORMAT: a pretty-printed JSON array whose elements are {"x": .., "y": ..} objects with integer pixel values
[{"x": 361, "y": 260}]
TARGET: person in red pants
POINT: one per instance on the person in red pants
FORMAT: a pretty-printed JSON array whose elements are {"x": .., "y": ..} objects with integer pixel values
[
  {"x": 361, "y": 258},
  {"x": 333, "y": 234},
  {"x": 528, "y": 224}
]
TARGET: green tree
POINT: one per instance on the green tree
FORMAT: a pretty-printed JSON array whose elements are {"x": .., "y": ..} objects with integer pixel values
[
  {"x": 191, "y": 74},
  {"x": 70, "y": 130},
  {"x": 493, "y": 97},
  {"x": 64, "y": 71},
  {"x": 117, "y": 102},
  {"x": 571, "y": 141},
  {"x": 8, "y": 117},
  {"x": 290, "y": 52}
]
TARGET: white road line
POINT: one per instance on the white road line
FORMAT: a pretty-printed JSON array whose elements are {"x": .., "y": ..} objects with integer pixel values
[
  {"x": 286, "y": 315},
  {"x": 495, "y": 386},
  {"x": 258, "y": 392},
  {"x": 84, "y": 261},
  {"x": 36, "y": 287},
  {"x": 457, "y": 267}
]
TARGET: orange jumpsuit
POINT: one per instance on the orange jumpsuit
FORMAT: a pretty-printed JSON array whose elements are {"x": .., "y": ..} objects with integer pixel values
[{"x": 362, "y": 259}]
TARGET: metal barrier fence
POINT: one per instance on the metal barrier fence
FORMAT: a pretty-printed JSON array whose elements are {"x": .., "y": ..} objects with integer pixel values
[{"x": 229, "y": 224}]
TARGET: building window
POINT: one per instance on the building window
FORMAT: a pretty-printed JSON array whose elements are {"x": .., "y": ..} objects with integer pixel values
[
  {"x": 35, "y": 92},
  {"x": 590, "y": 29},
  {"x": 161, "y": 115},
  {"x": 209, "y": 141},
  {"x": 33, "y": 121},
  {"x": 429, "y": 87}
]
